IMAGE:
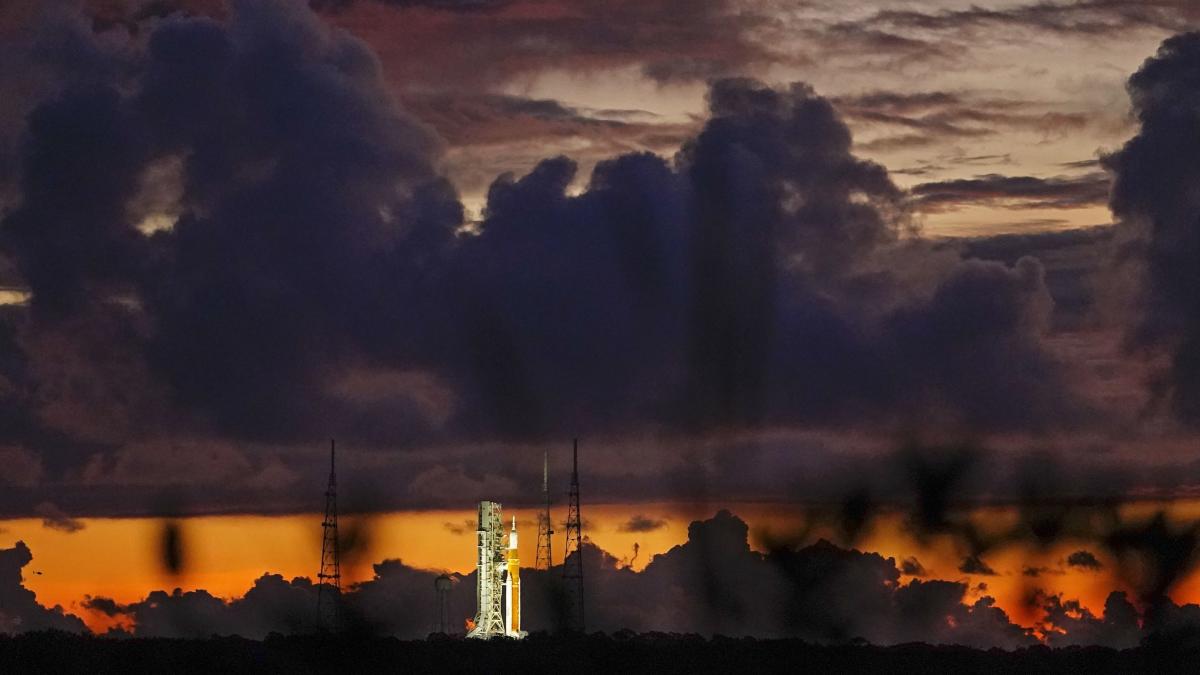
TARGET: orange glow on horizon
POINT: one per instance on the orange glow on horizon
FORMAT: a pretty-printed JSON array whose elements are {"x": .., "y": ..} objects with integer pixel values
[{"x": 225, "y": 554}]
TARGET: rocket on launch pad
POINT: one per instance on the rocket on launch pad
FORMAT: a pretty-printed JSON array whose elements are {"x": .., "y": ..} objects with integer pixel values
[{"x": 497, "y": 578}]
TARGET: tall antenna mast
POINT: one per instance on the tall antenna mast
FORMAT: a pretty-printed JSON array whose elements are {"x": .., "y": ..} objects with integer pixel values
[
  {"x": 329, "y": 579},
  {"x": 545, "y": 557},
  {"x": 573, "y": 553}
]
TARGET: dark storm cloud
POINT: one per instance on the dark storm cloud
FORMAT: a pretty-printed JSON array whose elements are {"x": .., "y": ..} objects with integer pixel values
[
  {"x": 1075, "y": 262},
  {"x": 309, "y": 241},
  {"x": 308, "y": 276},
  {"x": 19, "y": 609},
  {"x": 1008, "y": 248},
  {"x": 1016, "y": 192},
  {"x": 752, "y": 254},
  {"x": 640, "y": 523},
  {"x": 1156, "y": 202},
  {"x": 304, "y": 235},
  {"x": 491, "y": 134},
  {"x": 1084, "y": 559},
  {"x": 82, "y": 137}
]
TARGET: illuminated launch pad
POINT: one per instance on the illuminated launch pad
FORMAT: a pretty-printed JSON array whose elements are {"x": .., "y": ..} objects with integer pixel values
[{"x": 497, "y": 578}]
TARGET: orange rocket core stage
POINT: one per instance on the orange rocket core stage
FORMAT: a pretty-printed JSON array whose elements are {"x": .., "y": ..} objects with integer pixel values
[{"x": 513, "y": 583}]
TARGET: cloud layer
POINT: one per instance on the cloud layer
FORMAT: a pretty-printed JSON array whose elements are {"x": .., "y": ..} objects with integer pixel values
[
  {"x": 1155, "y": 199},
  {"x": 711, "y": 584},
  {"x": 19, "y": 608},
  {"x": 232, "y": 232}
]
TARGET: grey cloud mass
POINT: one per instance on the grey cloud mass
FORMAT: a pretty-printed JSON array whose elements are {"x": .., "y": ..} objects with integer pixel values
[
  {"x": 1158, "y": 210},
  {"x": 1018, "y": 192},
  {"x": 19, "y": 608},
  {"x": 260, "y": 244}
]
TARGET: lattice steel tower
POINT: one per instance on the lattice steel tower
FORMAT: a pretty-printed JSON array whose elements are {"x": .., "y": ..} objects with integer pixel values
[
  {"x": 329, "y": 579},
  {"x": 545, "y": 557},
  {"x": 573, "y": 552},
  {"x": 489, "y": 579}
]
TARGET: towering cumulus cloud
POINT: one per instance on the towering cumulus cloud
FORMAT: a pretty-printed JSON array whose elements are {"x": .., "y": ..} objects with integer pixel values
[
  {"x": 763, "y": 277},
  {"x": 1156, "y": 198},
  {"x": 309, "y": 207},
  {"x": 234, "y": 213},
  {"x": 19, "y": 609},
  {"x": 231, "y": 233}
]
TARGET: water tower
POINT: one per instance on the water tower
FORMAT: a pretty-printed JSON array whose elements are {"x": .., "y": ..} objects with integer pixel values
[{"x": 442, "y": 585}]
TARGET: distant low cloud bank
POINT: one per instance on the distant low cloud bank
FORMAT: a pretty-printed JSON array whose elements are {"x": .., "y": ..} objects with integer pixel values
[{"x": 712, "y": 584}]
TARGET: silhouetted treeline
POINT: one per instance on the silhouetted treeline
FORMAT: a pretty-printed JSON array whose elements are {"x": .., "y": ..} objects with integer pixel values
[{"x": 621, "y": 652}]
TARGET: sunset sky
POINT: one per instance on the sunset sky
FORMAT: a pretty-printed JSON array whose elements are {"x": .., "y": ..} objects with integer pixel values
[
  {"x": 227, "y": 553},
  {"x": 839, "y": 268}
]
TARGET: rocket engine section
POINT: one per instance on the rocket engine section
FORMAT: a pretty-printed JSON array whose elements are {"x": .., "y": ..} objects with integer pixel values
[{"x": 497, "y": 578}]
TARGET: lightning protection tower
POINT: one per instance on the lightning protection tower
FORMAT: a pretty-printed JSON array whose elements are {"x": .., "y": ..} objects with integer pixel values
[
  {"x": 545, "y": 557},
  {"x": 573, "y": 552},
  {"x": 329, "y": 579}
]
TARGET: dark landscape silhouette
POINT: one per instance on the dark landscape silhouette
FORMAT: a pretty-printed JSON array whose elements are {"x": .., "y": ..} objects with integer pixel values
[{"x": 855, "y": 266}]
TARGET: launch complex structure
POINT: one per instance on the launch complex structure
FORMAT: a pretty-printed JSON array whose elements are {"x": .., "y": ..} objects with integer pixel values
[
  {"x": 498, "y": 577},
  {"x": 498, "y": 571}
]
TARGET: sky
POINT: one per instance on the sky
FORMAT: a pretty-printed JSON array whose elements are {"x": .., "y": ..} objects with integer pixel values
[{"x": 783, "y": 257}]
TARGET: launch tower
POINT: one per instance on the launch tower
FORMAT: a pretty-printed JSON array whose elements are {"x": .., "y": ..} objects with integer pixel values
[
  {"x": 573, "y": 551},
  {"x": 497, "y": 577},
  {"x": 329, "y": 579},
  {"x": 489, "y": 573}
]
